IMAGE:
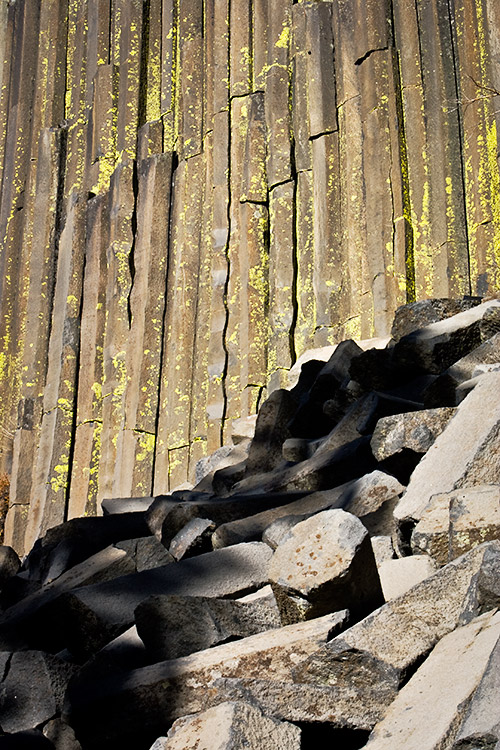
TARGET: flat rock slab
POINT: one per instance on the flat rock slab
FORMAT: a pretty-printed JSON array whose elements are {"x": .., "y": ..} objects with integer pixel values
[
  {"x": 174, "y": 626},
  {"x": 464, "y": 455},
  {"x": 398, "y": 576},
  {"x": 429, "y": 706},
  {"x": 109, "y": 710},
  {"x": 229, "y": 726},
  {"x": 405, "y": 629},
  {"x": 327, "y": 563},
  {"x": 146, "y": 552},
  {"x": 455, "y": 522},
  {"x": 414, "y": 431}
]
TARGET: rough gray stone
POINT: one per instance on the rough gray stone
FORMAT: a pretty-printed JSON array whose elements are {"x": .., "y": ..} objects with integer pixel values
[
  {"x": 146, "y": 552},
  {"x": 425, "y": 714},
  {"x": 417, "y": 315},
  {"x": 33, "y": 690},
  {"x": 464, "y": 455},
  {"x": 9, "y": 563},
  {"x": 61, "y": 735},
  {"x": 194, "y": 538},
  {"x": 414, "y": 431},
  {"x": 437, "y": 346},
  {"x": 454, "y": 522},
  {"x": 174, "y": 626},
  {"x": 406, "y": 628},
  {"x": 327, "y": 564},
  {"x": 481, "y": 725},
  {"x": 229, "y": 726},
  {"x": 110, "y": 710},
  {"x": 112, "y": 505},
  {"x": 271, "y": 430}
]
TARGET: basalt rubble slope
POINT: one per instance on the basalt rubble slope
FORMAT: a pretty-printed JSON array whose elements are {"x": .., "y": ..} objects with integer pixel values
[{"x": 333, "y": 578}]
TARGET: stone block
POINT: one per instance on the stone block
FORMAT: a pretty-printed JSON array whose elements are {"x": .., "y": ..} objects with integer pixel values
[
  {"x": 464, "y": 455},
  {"x": 194, "y": 538},
  {"x": 415, "y": 431},
  {"x": 327, "y": 564},
  {"x": 234, "y": 725},
  {"x": 455, "y": 522},
  {"x": 398, "y": 576}
]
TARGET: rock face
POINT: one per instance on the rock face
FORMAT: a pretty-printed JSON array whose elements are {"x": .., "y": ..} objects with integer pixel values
[
  {"x": 250, "y": 613},
  {"x": 193, "y": 194}
]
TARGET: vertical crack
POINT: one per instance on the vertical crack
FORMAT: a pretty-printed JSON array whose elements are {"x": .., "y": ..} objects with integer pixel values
[
  {"x": 295, "y": 262},
  {"x": 226, "y": 248},
  {"x": 454, "y": 53},
  {"x": 133, "y": 229}
]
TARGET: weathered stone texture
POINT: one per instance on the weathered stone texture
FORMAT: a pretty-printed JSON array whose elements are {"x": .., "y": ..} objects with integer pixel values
[{"x": 203, "y": 191}]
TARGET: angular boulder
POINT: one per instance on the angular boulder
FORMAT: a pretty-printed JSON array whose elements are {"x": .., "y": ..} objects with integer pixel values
[{"x": 327, "y": 564}]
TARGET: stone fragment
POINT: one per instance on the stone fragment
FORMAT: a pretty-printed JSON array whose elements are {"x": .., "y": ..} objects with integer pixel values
[
  {"x": 229, "y": 726},
  {"x": 146, "y": 552},
  {"x": 481, "y": 724},
  {"x": 173, "y": 626},
  {"x": 454, "y": 522},
  {"x": 443, "y": 389},
  {"x": 193, "y": 539},
  {"x": 383, "y": 549},
  {"x": 406, "y": 628},
  {"x": 369, "y": 493},
  {"x": 464, "y": 455},
  {"x": 409, "y": 318},
  {"x": 208, "y": 464},
  {"x": 279, "y": 531},
  {"x": 414, "y": 431},
  {"x": 143, "y": 702},
  {"x": 253, "y": 526},
  {"x": 243, "y": 428},
  {"x": 437, "y": 346},
  {"x": 271, "y": 430},
  {"x": 327, "y": 564},
  {"x": 398, "y": 576},
  {"x": 427, "y": 710},
  {"x": 353, "y": 704},
  {"x": 112, "y": 505},
  {"x": 296, "y": 449},
  {"x": 9, "y": 563},
  {"x": 33, "y": 689},
  {"x": 61, "y": 735}
]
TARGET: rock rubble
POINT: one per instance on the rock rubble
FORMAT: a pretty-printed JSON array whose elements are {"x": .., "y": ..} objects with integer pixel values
[{"x": 340, "y": 584}]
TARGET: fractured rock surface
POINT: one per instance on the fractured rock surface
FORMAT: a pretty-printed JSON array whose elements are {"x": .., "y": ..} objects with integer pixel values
[{"x": 349, "y": 596}]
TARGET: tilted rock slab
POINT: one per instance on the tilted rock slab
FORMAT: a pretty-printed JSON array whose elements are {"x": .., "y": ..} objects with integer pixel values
[
  {"x": 110, "y": 710},
  {"x": 415, "y": 431},
  {"x": 327, "y": 564},
  {"x": 464, "y": 455},
  {"x": 229, "y": 726},
  {"x": 425, "y": 713}
]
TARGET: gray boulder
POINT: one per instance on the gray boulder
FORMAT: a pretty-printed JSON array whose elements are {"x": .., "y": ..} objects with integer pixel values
[
  {"x": 414, "y": 431},
  {"x": 327, "y": 564}
]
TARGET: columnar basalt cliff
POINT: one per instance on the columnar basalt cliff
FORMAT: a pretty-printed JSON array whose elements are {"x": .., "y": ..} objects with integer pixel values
[{"x": 195, "y": 192}]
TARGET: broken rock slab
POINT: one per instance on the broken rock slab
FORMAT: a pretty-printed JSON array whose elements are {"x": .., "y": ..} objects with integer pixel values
[
  {"x": 455, "y": 522},
  {"x": 174, "y": 626},
  {"x": 404, "y": 630},
  {"x": 420, "y": 314},
  {"x": 9, "y": 563},
  {"x": 143, "y": 703},
  {"x": 146, "y": 552},
  {"x": 414, "y": 431},
  {"x": 437, "y": 346},
  {"x": 194, "y": 538},
  {"x": 327, "y": 564},
  {"x": 228, "y": 726},
  {"x": 464, "y": 455},
  {"x": 428, "y": 709}
]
